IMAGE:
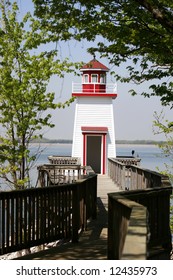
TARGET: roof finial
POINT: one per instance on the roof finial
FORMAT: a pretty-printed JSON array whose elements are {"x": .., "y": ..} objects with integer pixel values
[{"x": 94, "y": 56}]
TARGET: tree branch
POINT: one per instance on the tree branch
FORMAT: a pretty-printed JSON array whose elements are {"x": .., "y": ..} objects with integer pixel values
[{"x": 158, "y": 13}]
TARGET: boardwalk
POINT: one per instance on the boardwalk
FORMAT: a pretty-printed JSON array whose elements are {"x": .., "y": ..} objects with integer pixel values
[{"x": 92, "y": 243}]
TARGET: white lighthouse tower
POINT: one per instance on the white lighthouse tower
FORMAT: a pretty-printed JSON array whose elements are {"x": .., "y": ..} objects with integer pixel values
[{"x": 93, "y": 134}]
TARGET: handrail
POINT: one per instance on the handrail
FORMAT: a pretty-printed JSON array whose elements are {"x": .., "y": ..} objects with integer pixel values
[
  {"x": 138, "y": 224},
  {"x": 132, "y": 177},
  {"x": 64, "y": 160},
  {"x": 94, "y": 88},
  {"x": 36, "y": 216},
  {"x": 127, "y": 233},
  {"x": 137, "y": 234},
  {"x": 151, "y": 190},
  {"x": 56, "y": 174}
]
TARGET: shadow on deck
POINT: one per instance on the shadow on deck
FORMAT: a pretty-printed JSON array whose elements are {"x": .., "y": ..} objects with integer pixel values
[{"x": 92, "y": 243}]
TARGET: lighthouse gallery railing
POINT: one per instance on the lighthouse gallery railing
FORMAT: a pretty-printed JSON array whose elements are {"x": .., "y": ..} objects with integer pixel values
[{"x": 109, "y": 88}]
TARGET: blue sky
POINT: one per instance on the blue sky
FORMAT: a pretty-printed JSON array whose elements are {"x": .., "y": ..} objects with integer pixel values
[{"x": 133, "y": 115}]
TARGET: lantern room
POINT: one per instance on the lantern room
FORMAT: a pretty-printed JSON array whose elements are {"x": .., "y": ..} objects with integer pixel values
[
  {"x": 94, "y": 81},
  {"x": 94, "y": 77}
]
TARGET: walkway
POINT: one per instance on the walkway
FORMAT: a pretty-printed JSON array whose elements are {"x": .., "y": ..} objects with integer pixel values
[{"x": 92, "y": 243}]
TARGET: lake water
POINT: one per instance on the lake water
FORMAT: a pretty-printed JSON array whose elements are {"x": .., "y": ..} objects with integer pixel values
[{"x": 151, "y": 156}]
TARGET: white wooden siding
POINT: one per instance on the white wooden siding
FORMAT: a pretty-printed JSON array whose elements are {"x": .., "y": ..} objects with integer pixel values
[{"x": 93, "y": 111}]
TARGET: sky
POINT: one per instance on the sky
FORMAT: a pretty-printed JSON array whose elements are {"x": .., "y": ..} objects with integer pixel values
[{"x": 133, "y": 115}]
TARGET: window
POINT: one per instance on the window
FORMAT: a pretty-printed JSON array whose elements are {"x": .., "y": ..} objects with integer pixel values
[
  {"x": 85, "y": 79},
  {"x": 102, "y": 78},
  {"x": 94, "y": 78}
]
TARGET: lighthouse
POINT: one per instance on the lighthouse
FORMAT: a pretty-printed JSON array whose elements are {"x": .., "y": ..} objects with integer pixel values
[{"x": 94, "y": 132}]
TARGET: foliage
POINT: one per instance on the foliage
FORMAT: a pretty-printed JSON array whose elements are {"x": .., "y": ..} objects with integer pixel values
[
  {"x": 24, "y": 76},
  {"x": 162, "y": 125},
  {"x": 135, "y": 31}
]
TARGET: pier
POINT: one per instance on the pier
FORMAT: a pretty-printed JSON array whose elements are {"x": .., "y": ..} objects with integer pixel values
[{"x": 121, "y": 215}]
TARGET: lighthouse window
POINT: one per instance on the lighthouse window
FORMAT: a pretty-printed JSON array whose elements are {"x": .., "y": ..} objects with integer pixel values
[
  {"x": 94, "y": 78},
  {"x": 102, "y": 78},
  {"x": 85, "y": 78}
]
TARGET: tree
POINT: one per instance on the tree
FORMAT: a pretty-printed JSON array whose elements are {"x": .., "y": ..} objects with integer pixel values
[
  {"x": 24, "y": 100},
  {"x": 164, "y": 126},
  {"x": 135, "y": 31}
]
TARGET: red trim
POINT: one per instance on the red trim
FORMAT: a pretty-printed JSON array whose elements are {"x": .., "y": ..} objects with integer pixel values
[
  {"x": 84, "y": 149},
  {"x": 102, "y": 133},
  {"x": 113, "y": 95},
  {"x": 94, "y": 70},
  {"x": 96, "y": 129},
  {"x": 104, "y": 154}
]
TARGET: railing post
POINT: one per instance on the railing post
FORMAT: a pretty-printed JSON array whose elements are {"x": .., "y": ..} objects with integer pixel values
[
  {"x": 75, "y": 213},
  {"x": 111, "y": 237},
  {"x": 123, "y": 177}
]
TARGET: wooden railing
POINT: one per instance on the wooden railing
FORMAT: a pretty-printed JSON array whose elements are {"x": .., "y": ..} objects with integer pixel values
[
  {"x": 34, "y": 216},
  {"x": 130, "y": 160},
  {"x": 56, "y": 174},
  {"x": 138, "y": 224},
  {"x": 123, "y": 224},
  {"x": 133, "y": 177},
  {"x": 139, "y": 217},
  {"x": 64, "y": 160}
]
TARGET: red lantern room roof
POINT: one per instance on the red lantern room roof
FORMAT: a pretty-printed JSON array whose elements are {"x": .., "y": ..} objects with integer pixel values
[{"x": 94, "y": 64}]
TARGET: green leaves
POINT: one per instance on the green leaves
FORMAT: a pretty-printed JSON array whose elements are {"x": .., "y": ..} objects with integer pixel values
[
  {"x": 162, "y": 125},
  {"x": 132, "y": 31},
  {"x": 25, "y": 72}
]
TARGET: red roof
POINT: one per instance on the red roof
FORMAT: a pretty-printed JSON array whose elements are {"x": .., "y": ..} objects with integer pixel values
[{"x": 95, "y": 65}]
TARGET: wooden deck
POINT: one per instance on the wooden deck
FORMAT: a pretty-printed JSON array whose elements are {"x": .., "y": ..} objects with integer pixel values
[{"x": 92, "y": 243}]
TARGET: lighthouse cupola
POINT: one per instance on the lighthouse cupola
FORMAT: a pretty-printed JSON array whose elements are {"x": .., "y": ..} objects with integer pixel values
[
  {"x": 94, "y": 77},
  {"x": 94, "y": 81}
]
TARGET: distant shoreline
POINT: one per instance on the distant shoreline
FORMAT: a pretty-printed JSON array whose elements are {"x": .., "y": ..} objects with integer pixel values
[
  {"x": 139, "y": 142},
  {"x": 68, "y": 141}
]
